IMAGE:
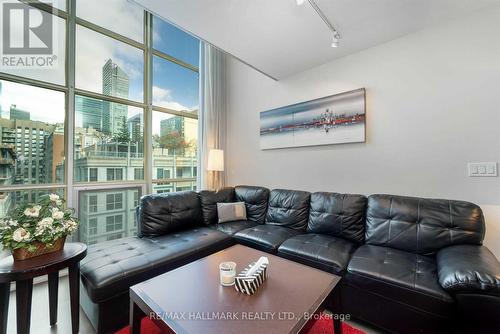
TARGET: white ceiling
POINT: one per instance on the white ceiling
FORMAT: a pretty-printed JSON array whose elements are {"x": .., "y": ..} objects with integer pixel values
[{"x": 280, "y": 38}]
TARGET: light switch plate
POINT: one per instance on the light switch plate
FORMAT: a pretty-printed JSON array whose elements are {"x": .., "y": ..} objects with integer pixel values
[{"x": 482, "y": 169}]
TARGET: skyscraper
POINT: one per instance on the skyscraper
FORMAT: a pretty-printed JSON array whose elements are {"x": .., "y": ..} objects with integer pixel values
[
  {"x": 91, "y": 111},
  {"x": 135, "y": 126},
  {"x": 115, "y": 82}
]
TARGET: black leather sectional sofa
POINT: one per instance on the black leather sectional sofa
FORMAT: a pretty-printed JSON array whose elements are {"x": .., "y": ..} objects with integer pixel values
[{"x": 408, "y": 264}]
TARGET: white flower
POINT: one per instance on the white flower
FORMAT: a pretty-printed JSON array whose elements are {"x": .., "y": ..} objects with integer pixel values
[
  {"x": 33, "y": 211},
  {"x": 70, "y": 225},
  {"x": 56, "y": 214},
  {"x": 13, "y": 223},
  {"x": 59, "y": 202},
  {"x": 54, "y": 197},
  {"x": 45, "y": 222},
  {"x": 21, "y": 235}
]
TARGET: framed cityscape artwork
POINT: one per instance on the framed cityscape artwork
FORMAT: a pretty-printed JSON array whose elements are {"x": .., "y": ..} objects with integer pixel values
[{"x": 335, "y": 119}]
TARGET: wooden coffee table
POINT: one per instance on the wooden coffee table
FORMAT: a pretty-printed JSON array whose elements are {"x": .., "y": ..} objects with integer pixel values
[{"x": 190, "y": 299}]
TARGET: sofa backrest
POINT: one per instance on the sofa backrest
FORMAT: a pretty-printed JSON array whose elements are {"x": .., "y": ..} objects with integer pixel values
[
  {"x": 422, "y": 225},
  {"x": 339, "y": 215},
  {"x": 209, "y": 200},
  {"x": 288, "y": 208},
  {"x": 169, "y": 212},
  {"x": 256, "y": 199}
]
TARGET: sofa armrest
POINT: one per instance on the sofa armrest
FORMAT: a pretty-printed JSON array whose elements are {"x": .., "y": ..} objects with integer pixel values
[{"x": 468, "y": 268}]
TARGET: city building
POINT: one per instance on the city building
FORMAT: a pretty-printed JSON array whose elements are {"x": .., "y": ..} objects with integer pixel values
[
  {"x": 186, "y": 129},
  {"x": 115, "y": 82},
  {"x": 18, "y": 114},
  {"x": 135, "y": 126},
  {"x": 91, "y": 112}
]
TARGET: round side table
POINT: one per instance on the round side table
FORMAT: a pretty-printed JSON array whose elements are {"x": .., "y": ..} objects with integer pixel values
[{"x": 23, "y": 272}]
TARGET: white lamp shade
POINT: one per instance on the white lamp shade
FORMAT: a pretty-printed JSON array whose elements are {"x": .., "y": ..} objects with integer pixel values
[{"x": 215, "y": 160}]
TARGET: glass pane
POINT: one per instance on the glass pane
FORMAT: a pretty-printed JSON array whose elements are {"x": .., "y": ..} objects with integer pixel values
[
  {"x": 31, "y": 134},
  {"x": 175, "y": 141},
  {"x": 120, "y": 16},
  {"x": 175, "y": 42},
  {"x": 166, "y": 187},
  {"x": 109, "y": 141},
  {"x": 59, "y": 4},
  {"x": 174, "y": 87},
  {"x": 47, "y": 67},
  {"x": 107, "y": 214},
  {"x": 10, "y": 199},
  {"x": 107, "y": 66}
]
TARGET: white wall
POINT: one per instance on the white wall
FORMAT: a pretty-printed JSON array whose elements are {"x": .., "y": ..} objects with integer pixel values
[{"x": 433, "y": 104}]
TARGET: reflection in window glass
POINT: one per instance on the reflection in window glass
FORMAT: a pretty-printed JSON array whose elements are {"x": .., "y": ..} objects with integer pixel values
[
  {"x": 10, "y": 199},
  {"x": 167, "y": 187},
  {"x": 59, "y": 4},
  {"x": 175, "y": 42},
  {"x": 109, "y": 141},
  {"x": 175, "y": 140},
  {"x": 107, "y": 66},
  {"x": 174, "y": 87},
  {"x": 122, "y": 17},
  {"x": 54, "y": 74},
  {"x": 107, "y": 215},
  {"x": 31, "y": 135}
]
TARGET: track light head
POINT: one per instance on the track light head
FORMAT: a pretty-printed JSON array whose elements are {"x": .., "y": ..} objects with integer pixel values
[{"x": 336, "y": 40}]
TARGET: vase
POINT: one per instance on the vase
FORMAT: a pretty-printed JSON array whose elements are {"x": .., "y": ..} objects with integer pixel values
[{"x": 41, "y": 248}]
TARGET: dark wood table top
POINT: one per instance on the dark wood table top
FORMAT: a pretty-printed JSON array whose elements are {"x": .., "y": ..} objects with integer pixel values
[
  {"x": 190, "y": 299},
  {"x": 11, "y": 270}
]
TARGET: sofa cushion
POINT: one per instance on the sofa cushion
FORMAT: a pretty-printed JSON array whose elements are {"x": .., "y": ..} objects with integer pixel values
[
  {"x": 340, "y": 215},
  {"x": 265, "y": 237},
  {"x": 324, "y": 252},
  {"x": 233, "y": 227},
  {"x": 404, "y": 277},
  {"x": 209, "y": 200},
  {"x": 161, "y": 214},
  {"x": 111, "y": 267},
  {"x": 256, "y": 200},
  {"x": 288, "y": 208},
  {"x": 422, "y": 225}
]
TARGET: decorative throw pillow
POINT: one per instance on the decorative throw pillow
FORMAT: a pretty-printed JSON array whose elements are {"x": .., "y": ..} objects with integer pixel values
[{"x": 229, "y": 212}]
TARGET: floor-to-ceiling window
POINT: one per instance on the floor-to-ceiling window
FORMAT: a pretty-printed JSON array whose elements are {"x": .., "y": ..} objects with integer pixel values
[{"x": 115, "y": 119}]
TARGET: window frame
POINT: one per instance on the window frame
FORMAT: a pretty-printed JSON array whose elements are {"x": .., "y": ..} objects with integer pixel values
[{"x": 71, "y": 188}]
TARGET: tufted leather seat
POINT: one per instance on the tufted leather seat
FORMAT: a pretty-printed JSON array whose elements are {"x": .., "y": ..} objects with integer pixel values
[
  {"x": 265, "y": 237},
  {"x": 324, "y": 252},
  {"x": 233, "y": 227},
  {"x": 112, "y": 267},
  {"x": 408, "y": 278}
]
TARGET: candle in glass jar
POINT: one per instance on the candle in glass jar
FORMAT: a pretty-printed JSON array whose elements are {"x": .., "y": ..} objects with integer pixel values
[{"x": 227, "y": 273}]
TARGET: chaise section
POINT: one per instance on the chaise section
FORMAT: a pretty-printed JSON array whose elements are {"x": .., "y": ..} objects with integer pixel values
[
  {"x": 112, "y": 267},
  {"x": 320, "y": 251}
]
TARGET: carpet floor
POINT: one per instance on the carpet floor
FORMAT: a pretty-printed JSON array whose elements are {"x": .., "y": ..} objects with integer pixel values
[{"x": 322, "y": 325}]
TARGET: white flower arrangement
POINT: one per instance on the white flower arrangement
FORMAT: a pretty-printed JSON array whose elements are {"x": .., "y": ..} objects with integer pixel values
[{"x": 45, "y": 222}]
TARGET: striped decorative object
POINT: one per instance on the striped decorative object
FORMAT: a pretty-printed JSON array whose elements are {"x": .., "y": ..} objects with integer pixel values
[{"x": 250, "y": 284}]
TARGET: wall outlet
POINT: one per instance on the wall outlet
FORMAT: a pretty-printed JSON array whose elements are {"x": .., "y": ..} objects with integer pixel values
[{"x": 483, "y": 169}]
